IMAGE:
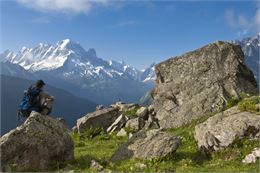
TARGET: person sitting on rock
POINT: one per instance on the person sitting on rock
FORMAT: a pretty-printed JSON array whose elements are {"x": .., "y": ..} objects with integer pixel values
[{"x": 35, "y": 100}]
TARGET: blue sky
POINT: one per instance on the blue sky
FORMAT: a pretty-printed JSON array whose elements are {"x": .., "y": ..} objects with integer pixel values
[{"x": 139, "y": 32}]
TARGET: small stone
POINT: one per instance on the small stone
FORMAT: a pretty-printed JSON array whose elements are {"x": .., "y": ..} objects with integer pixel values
[
  {"x": 251, "y": 158},
  {"x": 96, "y": 166},
  {"x": 122, "y": 132},
  {"x": 140, "y": 165}
]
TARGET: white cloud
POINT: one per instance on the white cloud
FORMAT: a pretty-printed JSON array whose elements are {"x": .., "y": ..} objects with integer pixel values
[
  {"x": 242, "y": 22},
  {"x": 62, "y": 6}
]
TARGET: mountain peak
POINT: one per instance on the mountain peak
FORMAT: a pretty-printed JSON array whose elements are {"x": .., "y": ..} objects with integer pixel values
[
  {"x": 92, "y": 52},
  {"x": 64, "y": 43}
]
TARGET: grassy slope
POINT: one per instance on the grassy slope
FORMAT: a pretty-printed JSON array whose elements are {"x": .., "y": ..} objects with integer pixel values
[{"x": 186, "y": 159}]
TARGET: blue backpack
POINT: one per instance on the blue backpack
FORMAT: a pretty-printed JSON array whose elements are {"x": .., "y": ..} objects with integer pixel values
[{"x": 30, "y": 102}]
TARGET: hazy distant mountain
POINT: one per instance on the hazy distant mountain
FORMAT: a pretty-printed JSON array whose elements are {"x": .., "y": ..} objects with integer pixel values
[
  {"x": 10, "y": 69},
  {"x": 69, "y": 66},
  {"x": 250, "y": 47},
  {"x": 65, "y": 105}
]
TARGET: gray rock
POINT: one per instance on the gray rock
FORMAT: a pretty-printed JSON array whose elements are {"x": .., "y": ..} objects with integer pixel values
[
  {"x": 123, "y": 106},
  {"x": 151, "y": 108},
  {"x": 143, "y": 113},
  {"x": 62, "y": 120},
  {"x": 152, "y": 123},
  {"x": 96, "y": 166},
  {"x": 118, "y": 124},
  {"x": 135, "y": 124},
  {"x": 122, "y": 132},
  {"x": 200, "y": 82},
  {"x": 35, "y": 144},
  {"x": 99, "y": 107},
  {"x": 222, "y": 129},
  {"x": 101, "y": 118},
  {"x": 148, "y": 145},
  {"x": 252, "y": 157}
]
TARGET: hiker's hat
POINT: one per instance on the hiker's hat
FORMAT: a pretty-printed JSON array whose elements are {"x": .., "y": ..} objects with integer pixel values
[{"x": 40, "y": 82}]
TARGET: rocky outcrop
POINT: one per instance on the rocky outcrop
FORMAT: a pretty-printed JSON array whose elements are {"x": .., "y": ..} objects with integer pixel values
[
  {"x": 200, "y": 82},
  {"x": 147, "y": 145},
  {"x": 118, "y": 116},
  {"x": 41, "y": 140},
  {"x": 222, "y": 129},
  {"x": 102, "y": 118}
]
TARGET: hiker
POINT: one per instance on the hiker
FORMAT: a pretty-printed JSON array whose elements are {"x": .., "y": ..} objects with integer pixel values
[{"x": 35, "y": 100}]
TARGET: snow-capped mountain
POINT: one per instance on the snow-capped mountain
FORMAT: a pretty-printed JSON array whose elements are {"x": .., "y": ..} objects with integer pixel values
[
  {"x": 71, "y": 60},
  {"x": 250, "y": 47},
  {"x": 148, "y": 74},
  {"x": 69, "y": 66}
]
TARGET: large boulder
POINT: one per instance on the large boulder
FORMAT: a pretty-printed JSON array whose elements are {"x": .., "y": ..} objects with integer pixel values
[
  {"x": 223, "y": 128},
  {"x": 39, "y": 142},
  {"x": 102, "y": 118},
  {"x": 200, "y": 82},
  {"x": 147, "y": 145}
]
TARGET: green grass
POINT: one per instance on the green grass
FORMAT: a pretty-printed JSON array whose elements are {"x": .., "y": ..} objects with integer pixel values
[
  {"x": 242, "y": 98},
  {"x": 186, "y": 159},
  {"x": 232, "y": 102},
  {"x": 131, "y": 112},
  {"x": 249, "y": 104},
  {"x": 101, "y": 147}
]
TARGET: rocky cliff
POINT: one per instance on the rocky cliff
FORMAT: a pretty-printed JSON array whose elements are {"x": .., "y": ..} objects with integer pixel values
[{"x": 200, "y": 82}]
